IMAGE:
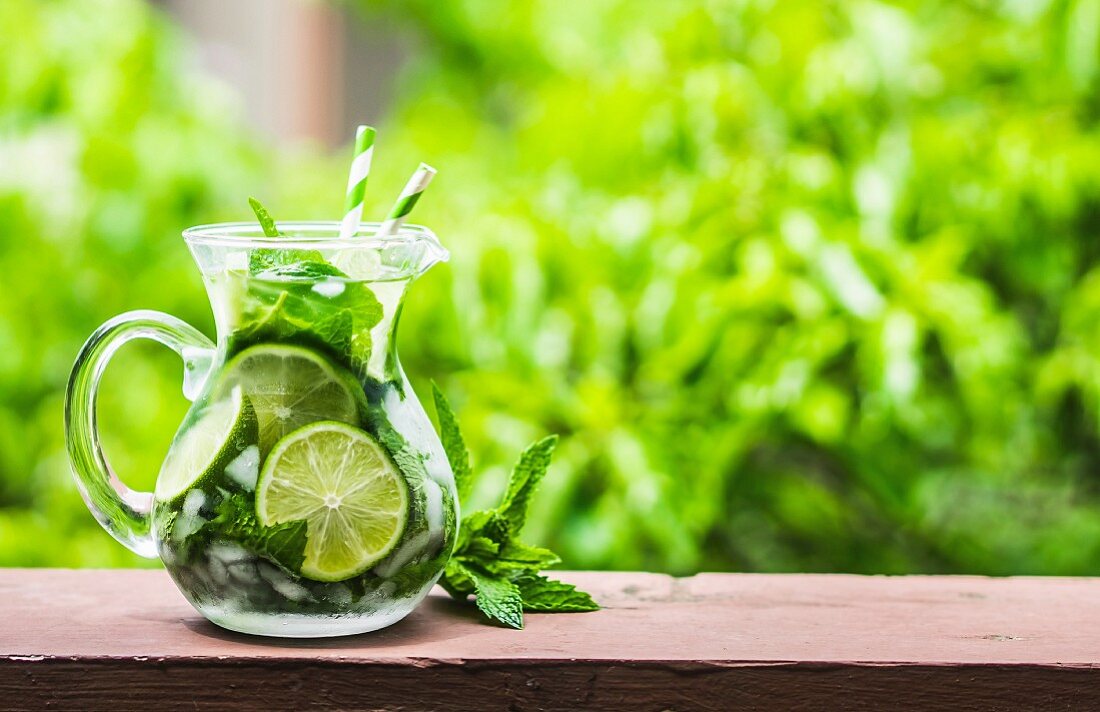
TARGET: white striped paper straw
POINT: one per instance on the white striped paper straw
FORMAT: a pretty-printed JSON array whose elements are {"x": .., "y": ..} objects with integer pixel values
[
  {"x": 404, "y": 205},
  {"x": 357, "y": 181}
]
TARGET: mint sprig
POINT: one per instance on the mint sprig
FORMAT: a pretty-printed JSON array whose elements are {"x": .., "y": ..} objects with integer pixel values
[
  {"x": 283, "y": 304},
  {"x": 283, "y": 543},
  {"x": 288, "y": 263},
  {"x": 489, "y": 561},
  {"x": 267, "y": 223}
]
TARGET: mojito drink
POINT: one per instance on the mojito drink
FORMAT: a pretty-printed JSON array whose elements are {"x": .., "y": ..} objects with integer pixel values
[{"x": 306, "y": 492}]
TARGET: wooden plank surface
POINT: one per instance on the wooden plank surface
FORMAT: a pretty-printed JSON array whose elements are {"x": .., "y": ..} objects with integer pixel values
[{"x": 83, "y": 639}]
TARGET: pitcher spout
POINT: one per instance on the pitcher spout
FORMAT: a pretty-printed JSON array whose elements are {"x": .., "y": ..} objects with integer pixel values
[
  {"x": 434, "y": 252},
  {"x": 405, "y": 255}
]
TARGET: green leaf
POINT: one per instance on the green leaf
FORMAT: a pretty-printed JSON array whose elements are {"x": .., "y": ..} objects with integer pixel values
[
  {"x": 481, "y": 548},
  {"x": 267, "y": 223},
  {"x": 334, "y": 328},
  {"x": 510, "y": 559},
  {"x": 288, "y": 263},
  {"x": 271, "y": 261},
  {"x": 363, "y": 306},
  {"x": 456, "y": 581},
  {"x": 408, "y": 459},
  {"x": 363, "y": 303},
  {"x": 294, "y": 264},
  {"x": 526, "y": 475},
  {"x": 488, "y": 523},
  {"x": 498, "y": 598},
  {"x": 518, "y": 554},
  {"x": 282, "y": 303},
  {"x": 453, "y": 443},
  {"x": 166, "y": 525},
  {"x": 283, "y": 544},
  {"x": 265, "y": 260},
  {"x": 549, "y": 596},
  {"x": 362, "y": 346}
]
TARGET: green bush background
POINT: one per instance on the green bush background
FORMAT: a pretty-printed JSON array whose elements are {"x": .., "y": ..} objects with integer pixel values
[{"x": 803, "y": 286}]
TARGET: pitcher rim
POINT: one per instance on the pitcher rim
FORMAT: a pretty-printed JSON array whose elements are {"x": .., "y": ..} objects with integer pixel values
[{"x": 249, "y": 234}]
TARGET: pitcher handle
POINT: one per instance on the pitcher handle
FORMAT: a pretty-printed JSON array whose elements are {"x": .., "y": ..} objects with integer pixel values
[{"x": 123, "y": 512}]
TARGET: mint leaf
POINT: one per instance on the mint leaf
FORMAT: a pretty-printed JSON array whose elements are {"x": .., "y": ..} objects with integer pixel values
[
  {"x": 498, "y": 598},
  {"x": 407, "y": 459},
  {"x": 273, "y": 262},
  {"x": 456, "y": 581},
  {"x": 358, "y": 296},
  {"x": 490, "y": 524},
  {"x": 453, "y": 443},
  {"x": 549, "y": 596},
  {"x": 363, "y": 304},
  {"x": 362, "y": 346},
  {"x": 517, "y": 556},
  {"x": 284, "y": 544},
  {"x": 267, "y": 223},
  {"x": 282, "y": 303},
  {"x": 166, "y": 524},
  {"x": 481, "y": 548},
  {"x": 334, "y": 328},
  {"x": 286, "y": 303},
  {"x": 294, "y": 264},
  {"x": 526, "y": 475},
  {"x": 282, "y": 262}
]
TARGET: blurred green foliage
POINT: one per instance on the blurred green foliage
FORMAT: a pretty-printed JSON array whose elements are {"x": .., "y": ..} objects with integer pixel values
[
  {"x": 107, "y": 148},
  {"x": 802, "y": 285}
]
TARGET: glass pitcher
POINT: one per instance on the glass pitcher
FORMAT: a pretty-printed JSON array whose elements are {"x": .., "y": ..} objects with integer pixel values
[{"x": 306, "y": 492}]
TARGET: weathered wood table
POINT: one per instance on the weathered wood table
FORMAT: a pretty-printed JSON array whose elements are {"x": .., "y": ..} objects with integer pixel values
[{"x": 126, "y": 639}]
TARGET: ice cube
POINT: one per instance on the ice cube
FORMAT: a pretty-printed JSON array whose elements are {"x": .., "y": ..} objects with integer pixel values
[
  {"x": 228, "y": 553},
  {"x": 405, "y": 553},
  {"x": 339, "y": 595},
  {"x": 193, "y": 502},
  {"x": 244, "y": 572},
  {"x": 236, "y": 260},
  {"x": 329, "y": 288},
  {"x": 362, "y": 264},
  {"x": 283, "y": 584},
  {"x": 433, "y": 510},
  {"x": 218, "y": 573},
  {"x": 186, "y": 525},
  {"x": 245, "y": 468}
]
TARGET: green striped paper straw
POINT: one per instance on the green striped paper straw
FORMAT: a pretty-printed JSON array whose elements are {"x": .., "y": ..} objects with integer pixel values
[
  {"x": 404, "y": 205},
  {"x": 357, "y": 181}
]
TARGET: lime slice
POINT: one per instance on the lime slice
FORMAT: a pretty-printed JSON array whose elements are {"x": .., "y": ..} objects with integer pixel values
[
  {"x": 209, "y": 443},
  {"x": 290, "y": 386},
  {"x": 343, "y": 484}
]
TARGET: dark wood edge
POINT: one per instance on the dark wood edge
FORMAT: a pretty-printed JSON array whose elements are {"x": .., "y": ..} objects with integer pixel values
[{"x": 272, "y": 684}]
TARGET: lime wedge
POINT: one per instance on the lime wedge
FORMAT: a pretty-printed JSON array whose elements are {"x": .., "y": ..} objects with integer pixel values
[
  {"x": 343, "y": 484},
  {"x": 290, "y": 386},
  {"x": 206, "y": 445}
]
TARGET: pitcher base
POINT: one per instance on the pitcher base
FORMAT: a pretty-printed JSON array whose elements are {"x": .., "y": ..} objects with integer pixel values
[{"x": 293, "y": 625}]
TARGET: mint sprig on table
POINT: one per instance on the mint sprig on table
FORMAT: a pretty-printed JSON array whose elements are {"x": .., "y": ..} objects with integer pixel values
[{"x": 489, "y": 561}]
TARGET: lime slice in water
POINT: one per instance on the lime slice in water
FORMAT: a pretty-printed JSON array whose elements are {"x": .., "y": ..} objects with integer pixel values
[
  {"x": 343, "y": 484},
  {"x": 290, "y": 386},
  {"x": 207, "y": 444}
]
